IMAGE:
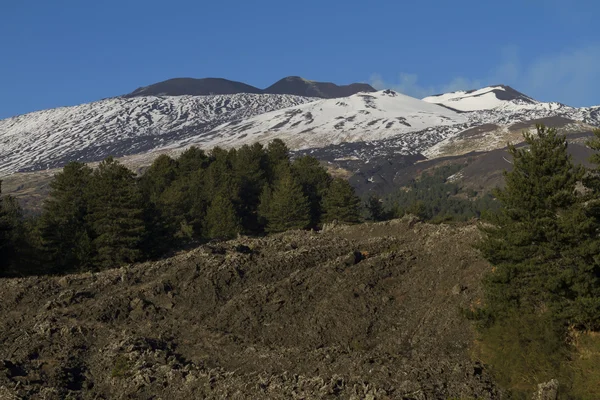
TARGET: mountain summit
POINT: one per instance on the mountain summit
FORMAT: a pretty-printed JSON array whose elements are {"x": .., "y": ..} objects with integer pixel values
[
  {"x": 486, "y": 98},
  {"x": 325, "y": 90},
  {"x": 194, "y": 87},
  {"x": 292, "y": 85}
]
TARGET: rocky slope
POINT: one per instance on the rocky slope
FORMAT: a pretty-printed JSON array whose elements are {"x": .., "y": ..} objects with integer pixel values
[{"x": 370, "y": 311}]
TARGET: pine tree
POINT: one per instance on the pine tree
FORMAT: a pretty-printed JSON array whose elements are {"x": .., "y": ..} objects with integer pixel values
[
  {"x": 278, "y": 156},
  {"x": 285, "y": 207},
  {"x": 64, "y": 231},
  {"x": 251, "y": 176},
  {"x": 221, "y": 220},
  {"x": 374, "y": 208},
  {"x": 340, "y": 203},
  {"x": 192, "y": 160},
  {"x": 161, "y": 225},
  {"x": 314, "y": 180},
  {"x": 537, "y": 224},
  {"x": 116, "y": 215},
  {"x": 7, "y": 232},
  {"x": 160, "y": 175}
]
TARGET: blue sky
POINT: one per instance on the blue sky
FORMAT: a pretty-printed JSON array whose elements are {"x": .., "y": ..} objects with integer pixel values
[{"x": 67, "y": 52}]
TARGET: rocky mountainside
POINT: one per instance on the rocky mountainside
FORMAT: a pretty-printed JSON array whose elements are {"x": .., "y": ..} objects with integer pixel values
[
  {"x": 292, "y": 85},
  {"x": 369, "y": 311}
]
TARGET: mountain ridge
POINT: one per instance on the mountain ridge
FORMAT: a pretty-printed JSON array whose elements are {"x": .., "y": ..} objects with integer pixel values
[{"x": 291, "y": 85}]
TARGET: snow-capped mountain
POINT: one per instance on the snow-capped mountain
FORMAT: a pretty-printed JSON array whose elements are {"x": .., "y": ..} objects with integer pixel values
[
  {"x": 359, "y": 127},
  {"x": 487, "y": 98},
  {"x": 360, "y": 117},
  {"x": 121, "y": 126}
]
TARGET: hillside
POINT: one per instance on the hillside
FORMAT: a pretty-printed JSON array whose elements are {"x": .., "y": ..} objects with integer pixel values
[
  {"x": 297, "y": 315},
  {"x": 361, "y": 117},
  {"x": 481, "y": 99}
]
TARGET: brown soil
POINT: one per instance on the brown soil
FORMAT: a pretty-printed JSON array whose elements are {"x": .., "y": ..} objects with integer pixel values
[{"x": 363, "y": 312}]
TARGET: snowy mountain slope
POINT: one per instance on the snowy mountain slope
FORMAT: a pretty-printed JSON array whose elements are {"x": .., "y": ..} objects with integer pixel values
[
  {"x": 361, "y": 127},
  {"x": 121, "y": 126},
  {"x": 360, "y": 117},
  {"x": 486, "y": 98}
]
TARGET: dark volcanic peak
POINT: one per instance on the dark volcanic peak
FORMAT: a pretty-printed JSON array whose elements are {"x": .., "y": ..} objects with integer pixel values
[
  {"x": 292, "y": 85},
  {"x": 505, "y": 92},
  {"x": 303, "y": 87},
  {"x": 196, "y": 87}
]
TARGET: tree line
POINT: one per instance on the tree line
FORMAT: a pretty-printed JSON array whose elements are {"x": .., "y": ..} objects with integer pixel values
[
  {"x": 434, "y": 198},
  {"x": 106, "y": 217}
]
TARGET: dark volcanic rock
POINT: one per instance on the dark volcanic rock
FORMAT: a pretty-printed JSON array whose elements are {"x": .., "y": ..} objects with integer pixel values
[
  {"x": 292, "y": 85},
  {"x": 302, "y": 87},
  {"x": 360, "y": 312},
  {"x": 196, "y": 87}
]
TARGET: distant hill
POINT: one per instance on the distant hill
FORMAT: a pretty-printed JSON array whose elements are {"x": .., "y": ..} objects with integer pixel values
[
  {"x": 326, "y": 90},
  {"x": 194, "y": 87},
  {"x": 293, "y": 85}
]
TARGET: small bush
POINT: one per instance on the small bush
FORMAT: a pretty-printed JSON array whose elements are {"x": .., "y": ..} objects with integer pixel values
[{"x": 122, "y": 368}]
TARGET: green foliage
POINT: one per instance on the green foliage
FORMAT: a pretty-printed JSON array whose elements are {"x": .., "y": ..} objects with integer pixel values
[
  {"x": 340, "y": 203},
  {"x": 10, "y": 222},
  {"x": 285, "y": 207},
  {"x": 278, "y": 160},
  {"x": 532, "y": 242},
  {"x": 102, "y": 218},
  {"x": 222, "y": 221},
  {"x": 122, "y": 368},
  {"x": 544, "y": 247},
  {"x": 314, "y": 181},
  {"x": 375, "y": 209},
  {"x": 64, "y": 230},
  {"x": 524, "y": 350},
  {"x": 116, "y": 215},
  {"x": 434, "y": 198}
]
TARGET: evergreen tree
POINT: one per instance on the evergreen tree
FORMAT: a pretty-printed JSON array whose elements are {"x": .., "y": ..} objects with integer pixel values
[
  {"x": 7, "y": 236},
  {"x": 63, "y": 227},
  {"x": 340, "y": 203},
  {"x": 251, "y": 176},
  {"x": 161, "y": 224},
  {"x": 314, "y": 180},
  {"x": 538, "y": 223},
  {"x": 116, "y": 215},
  {"x": 160, "y": 175},
  {"x": 278, "y": 156},
  {"x": 285, "y": 207},
  {"x": 375, "y": 209},
  {"x": 192, "y": 160},
  {"x": 221, "y": 219}
]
